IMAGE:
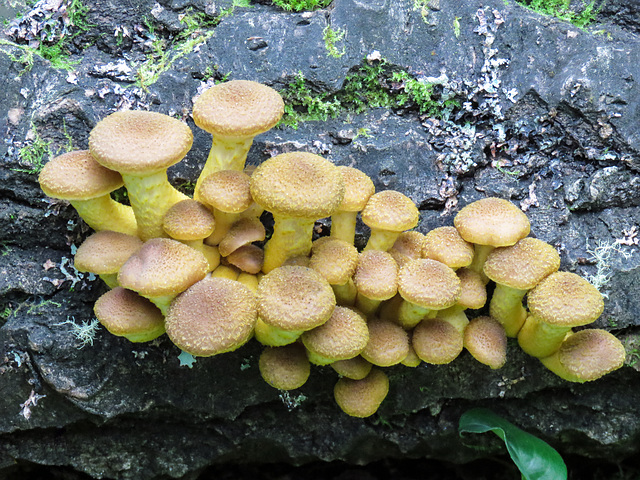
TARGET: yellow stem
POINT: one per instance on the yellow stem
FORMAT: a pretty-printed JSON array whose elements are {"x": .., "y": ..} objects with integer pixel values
[
  {"x": 291, "y": 237},
  {"x": 104, "y": 213},
  {"x": 539, "y": 339},
  {"x": 343, "y": 226},
  {"x": 506, "y": 307}
]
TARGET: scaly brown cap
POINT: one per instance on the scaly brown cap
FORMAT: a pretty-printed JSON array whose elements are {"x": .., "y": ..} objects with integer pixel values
[
  {"x": 226, "y": 190},
  {"x": 445, "y": 245},
  {"x": 355, "y": 368},
  {"x": 429, "y": 284},
  {"x": 334, "y": 259},
  {"x": 486, "y": 341},
  {"x": 565, "y": 299},
  {"x": 358, "y": 189},
  {"x": 362, "y": 398},
  {"x": 136, "y": 142},
  {"x": 492, "y": 221},
  {"x": 239, "y": 108},
  {"x": 105, "y": 252},
  {"x": 388, "y": 343},
  {"x": 163, "y": 266},
  {"x": 284, "y": 368},
  {"x": 522, "y": 265},
  {"x": 77, "y": 176},
  {"x": 408, "y": 246},
  {"x": 298, "y": 184},
  {"x": 376, "y": 275},
  {"x": 390, "y": 210},
  {"x": 436, "y": 341},
  {"x": 213, "y": 316},
  {"x": 242, "y": 232},
  {"x": 188, "y": 220},
  {"x": 473, "y": 290}
]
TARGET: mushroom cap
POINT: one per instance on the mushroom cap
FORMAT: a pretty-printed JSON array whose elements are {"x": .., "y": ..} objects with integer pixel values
[
  {"x": 408, "y": 246},
  {"x": 565, "y": 299},
  {"x": 334, "y": 259},
  {"x": 522, "y": 265},
  {"x": 390, "y": 210},
  {"x": 125, "y": 313},
  {"x": 341, "y": 337},
  {"x": 358, "y": 189},
  {"x": 298, "y": 184},
  {"x": 77, "y": 176},
  {"x": 473, "y": 289},
  {"x": 590, "y": 354},
  {"x": 188, "y": 220},
  {"x": 362, "y": 398},
  {"x": 492, "y": 221},
  {"x": 429, "y": 284},
  {"x": 137, "y": 142},
  {"x": 486, "y": 341},
  {"x": 226, "y": 190},
  {"x": 445, "y": 245},
  {"x": 248, "y": 258},
  {"x": 242, "y": 232},
  {"x": 355, "y": 368},
  {"x": 376, "y": 275},
  {"x": 163, "y": 266},
  {"x": 295, "y": 298},
  {"x": 239, "y": 108},
  {"x": 388, "y": 343},
  {"x": 284, "y": 368},
  {"x": 214, "y": 315},
  {"x": 437, "y": 341},
  {"x": 105, "y": 252}
]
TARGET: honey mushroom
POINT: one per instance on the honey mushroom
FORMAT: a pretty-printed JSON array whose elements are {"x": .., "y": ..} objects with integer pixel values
[
  {"x": 285, "y": 367},
  {"x": 336, "y": 261},
  {"x": 387, "y": 214},
  {"x": 358, "y": 189},
  {"x": 408, "y": 246},
  {"x": 376, "y": 279},
  {"x": 362, "y": 398},
  {"x": 486, "y": 341}
]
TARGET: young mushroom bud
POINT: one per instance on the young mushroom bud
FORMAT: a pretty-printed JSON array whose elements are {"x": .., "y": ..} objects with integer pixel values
[
  {"x": 387, "y": 214},
  {"x": 486, "y": 341},
  {"x": 362, "y": 398},
  {"x": 286, "y": 367},
  {"x": 358, "y": 188},
  {"x": 336, "y": 261}
]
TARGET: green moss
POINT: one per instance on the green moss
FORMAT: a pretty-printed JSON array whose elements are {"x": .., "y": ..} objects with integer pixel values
[
  {"x": 301, "y": 5},
  {"x": 562, "y": 9},
  {"x": 332, "y": 37},
  {"x": 33, "y": 155}
]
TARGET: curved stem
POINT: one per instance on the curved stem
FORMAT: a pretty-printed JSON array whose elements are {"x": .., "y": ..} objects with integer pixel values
[
  {"x": 343, "y": 226},
  {"x": 539, "y": 339},
  {"x": 291, "y": 237},
  {"x": 506, "y": 307},
  {"x": 104, "y": 213}
]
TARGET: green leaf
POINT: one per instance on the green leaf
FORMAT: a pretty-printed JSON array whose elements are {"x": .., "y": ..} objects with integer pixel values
[{"x": 535, "y": 459}]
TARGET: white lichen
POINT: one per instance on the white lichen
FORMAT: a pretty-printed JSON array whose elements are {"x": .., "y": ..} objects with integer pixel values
[
  {"x": 602, "y": 256},
  {"x": 84, "y": 332}
]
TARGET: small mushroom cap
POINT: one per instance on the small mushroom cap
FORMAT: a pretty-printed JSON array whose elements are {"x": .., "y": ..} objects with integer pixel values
[
  {"x": 437, "y": 341},
  {"x": 105, "y": 252},
  {"x": 136, "y": 142},
  {"x": 590, "y": 354},
  {"x": 295, "y": 298},
  {"x": 239, "y": 108},
  {"x": 473, "y": 289},
  {"x": 341, "y": 337},
  {"x": 362, "y": 398},
  {"x": 334, "y": 259},
  {"x": 408, "y": 246},
  {"x": 242, "y": 232},
  {"x": 492, "y": 221},
  {"x": 188, "y": 220},
  {"x": 163, "y": 266},
  {"x": 445, "y": 245},
  {"x": 355, "y": 368},
  {"x": 125, "y": 313},
  {"x": 429, "y": 284},
  {"x": 226, "y": 190},
  {"x": 285, "y": 368},
  {"x": 358, "y": 189},
  {"x": 565, "y": 299},
  {"x": 388, "y": 343},
  {"x": 298, "y": 184},
  {"x": 215, "y": 315},
  {"x": 248, "y": 258},
  {"x": 390, "y": 210},
  {"x": 376, "y": 275},
  {"x": 522, "y": 265},
  {"x": 486, "y": 341},
  {"x": 77, "y": 176}
]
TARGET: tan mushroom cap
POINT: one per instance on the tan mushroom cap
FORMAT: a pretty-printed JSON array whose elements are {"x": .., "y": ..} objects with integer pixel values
[
  {"x": 473, "y": 293},
  {"x": 362, "y": 398},
  {"x": 298, "y": 184},
  {"x": 213, "y": 316},
  {"x": 126, "y": 314},
  {"x": 492, "y": 221},
  {"x": 226, "y": 190},
  {"x": 163, "y": 266},
  {"x": 445, "y": 245},
  {"x": 77, "y": 176},
  {"x": 523, "y": 265},
  {"x": 295, "y": 298},
  {"x": 376, "y": 275},
  {"x": 486, "y": 341},
  {"x": 436, "y": 341},
  {"x": 239, "y": 108},
  {"x": 334, "y": 259},
  {"x": 565, "y": 299},
  {"x": 285, "y": 368},
  {"x": 408, "y": 246},
  {"x": 587, "y": 355},
  {"x": 429, "y": 284},
  {"x": 355, "y": 368},
  {"x": 137, "y": 142},
  {"x": 188, "y": 220},
  {"x": 105, "y": 252},
  {"x": 388, "y": 343},
  {"x": 358, "y": 189},
  {"x": 242, "y": 232},
  {"x": 248, "y": 258},
  {"x": 390, "y": 210},
  {"x": 341, "y": 337}
]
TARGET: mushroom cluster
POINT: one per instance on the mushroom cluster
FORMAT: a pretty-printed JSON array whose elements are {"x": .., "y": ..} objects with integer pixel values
[{"x": 197, "y": 268}]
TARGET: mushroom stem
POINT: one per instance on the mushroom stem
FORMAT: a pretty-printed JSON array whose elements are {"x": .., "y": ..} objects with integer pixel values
[
  {"x": 381, "y": 240},
  {"x": 151, "y": 196},
  {"x": 210, "y": 253},
  {"x": 456, "y": 316},
  {"x": 110, "y": 279},
  {"x": 540, "y": 339},
  {"x": 291, "y": 237},
  {"x": 368, "y": 306},
  {"x": 223, "y": 224},
  {"x": 343, "y": 226},
  {"x": 225, "y": 154},
  {"x": 506, "y": 307},
  {"x": 162, "y": 302},
  {"x": 345, "y": 294},
  {"x": 410, "y": 314},
  {"x": 104, "y": 213},
  {"x": 271, "y": 336},
  {"x": 479, "y": 257}
]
